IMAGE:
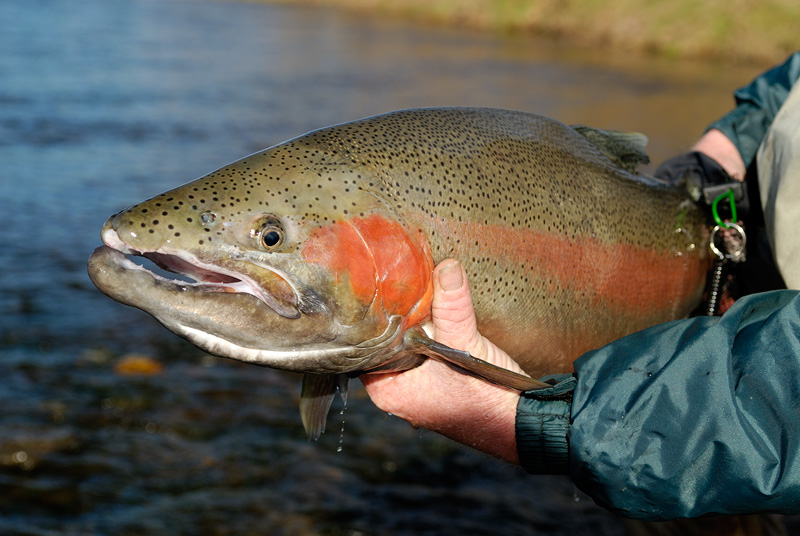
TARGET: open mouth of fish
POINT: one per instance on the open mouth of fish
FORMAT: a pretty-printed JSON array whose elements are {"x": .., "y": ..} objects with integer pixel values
[
  {"x": 200, "y": 304},
  {"x": 202, "y": 277}
]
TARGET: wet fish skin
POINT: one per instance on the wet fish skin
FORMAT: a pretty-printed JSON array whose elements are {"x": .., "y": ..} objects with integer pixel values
[{"x": 315, "y": 255}]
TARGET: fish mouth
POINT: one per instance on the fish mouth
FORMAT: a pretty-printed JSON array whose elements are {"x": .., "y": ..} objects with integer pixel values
[
  {"x": 276, "y": 291},
  {"x": 221, "y": 314}
]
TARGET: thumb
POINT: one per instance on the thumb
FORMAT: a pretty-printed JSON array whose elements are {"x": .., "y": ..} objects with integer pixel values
[
  {"x": 454, "y": 322},
  {"x": 453, "y": 316}
]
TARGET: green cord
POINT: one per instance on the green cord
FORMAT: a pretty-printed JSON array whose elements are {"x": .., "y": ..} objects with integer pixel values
[{"x": 729, "y": 195}]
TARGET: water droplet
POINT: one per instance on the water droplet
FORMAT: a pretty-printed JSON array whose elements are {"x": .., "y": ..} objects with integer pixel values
[
  {"x": 208, "y": 217},
  {"x": 340, "y": 447},
  {"x": 343, "y": 386}
]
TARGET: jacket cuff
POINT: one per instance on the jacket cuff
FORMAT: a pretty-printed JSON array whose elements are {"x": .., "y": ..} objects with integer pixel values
[{"x": 542, "y": 426}]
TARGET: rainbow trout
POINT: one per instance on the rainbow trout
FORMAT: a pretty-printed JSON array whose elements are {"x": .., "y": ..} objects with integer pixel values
[{"x": 316, "y": 255}]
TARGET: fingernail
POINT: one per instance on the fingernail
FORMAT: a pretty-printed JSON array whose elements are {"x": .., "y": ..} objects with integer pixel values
[{"x": 450, "y": 276}]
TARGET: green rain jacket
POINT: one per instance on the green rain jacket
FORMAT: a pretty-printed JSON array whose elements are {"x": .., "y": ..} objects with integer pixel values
[
  {"x": 756, "y": 107},
  {"x": 693, "y": 417}
]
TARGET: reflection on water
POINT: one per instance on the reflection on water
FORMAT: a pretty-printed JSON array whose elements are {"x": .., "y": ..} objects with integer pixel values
[{"x": 105, "y": 103}]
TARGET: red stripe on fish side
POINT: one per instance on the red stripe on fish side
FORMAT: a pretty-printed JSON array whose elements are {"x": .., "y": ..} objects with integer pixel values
[
  {"x": 633, "y": 278},
  {"x": 621, "y": 276},
  {"x": 404, "y": 266},
  {"x": 341, "y": 249}
]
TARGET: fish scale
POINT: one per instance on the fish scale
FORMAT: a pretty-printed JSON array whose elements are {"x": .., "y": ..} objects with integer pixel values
[{"x": 327, "y": 243}]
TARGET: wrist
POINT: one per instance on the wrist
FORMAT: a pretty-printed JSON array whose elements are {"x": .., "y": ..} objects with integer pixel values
[{"x": 489, "y": 426}]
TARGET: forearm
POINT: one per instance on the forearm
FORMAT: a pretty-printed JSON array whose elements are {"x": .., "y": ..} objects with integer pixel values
[
  {"x": 756, "y": 107},
  {"x": 718, "y": 146},
  {"x": 731, "y": 142}
]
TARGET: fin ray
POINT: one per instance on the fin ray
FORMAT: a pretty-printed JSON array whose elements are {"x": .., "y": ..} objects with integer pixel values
[
  {"x": 469, "y": 364},
  {"x": 316, "y": 398}
]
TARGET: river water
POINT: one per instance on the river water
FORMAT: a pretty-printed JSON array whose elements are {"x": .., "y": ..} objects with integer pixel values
[{"x": 104, "y": 103}]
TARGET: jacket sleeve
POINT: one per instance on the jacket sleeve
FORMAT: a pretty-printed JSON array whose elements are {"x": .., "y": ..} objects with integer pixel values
[
  {"x": 756, "y": 106},
  {"x": 684, "y": 419}
]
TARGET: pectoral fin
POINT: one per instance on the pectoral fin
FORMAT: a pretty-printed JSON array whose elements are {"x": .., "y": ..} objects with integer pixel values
[
  {"x": 316, "y": 398},
  {"x": 467, "y": 363}
]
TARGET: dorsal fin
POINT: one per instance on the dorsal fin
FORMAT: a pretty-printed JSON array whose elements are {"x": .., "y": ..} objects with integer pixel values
[{"x": 627, "y": 149}]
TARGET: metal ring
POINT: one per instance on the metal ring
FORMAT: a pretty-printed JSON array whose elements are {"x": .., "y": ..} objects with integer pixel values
[{"x": 715, "y": 250}]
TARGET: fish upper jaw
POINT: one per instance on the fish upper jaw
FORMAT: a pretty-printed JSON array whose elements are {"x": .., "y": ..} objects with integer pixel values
[
  {"x": 282, "y": 296},
  {"x": 112, "y": 240}
]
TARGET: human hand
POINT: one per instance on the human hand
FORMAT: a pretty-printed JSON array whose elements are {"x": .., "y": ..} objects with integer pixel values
[
  {"x": 434, "y": 396},
  {"x": 712, "y": 167}
]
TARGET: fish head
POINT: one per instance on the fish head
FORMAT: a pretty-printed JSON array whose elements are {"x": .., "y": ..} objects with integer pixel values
[{"x": 288, "y": 259}]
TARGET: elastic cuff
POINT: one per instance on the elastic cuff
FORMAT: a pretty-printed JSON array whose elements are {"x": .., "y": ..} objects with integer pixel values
[{"x": 542, "y": 426}]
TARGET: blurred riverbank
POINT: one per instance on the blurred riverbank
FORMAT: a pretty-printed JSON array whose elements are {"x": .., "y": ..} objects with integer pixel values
[{"x": 743, "y": 32}]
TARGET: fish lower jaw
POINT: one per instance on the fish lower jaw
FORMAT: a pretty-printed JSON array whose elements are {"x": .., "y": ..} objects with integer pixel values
[{"x": 320, "y": 361}]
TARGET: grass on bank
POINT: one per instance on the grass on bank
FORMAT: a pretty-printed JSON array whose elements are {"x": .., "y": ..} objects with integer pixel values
[{"x": 763, "y": 31}]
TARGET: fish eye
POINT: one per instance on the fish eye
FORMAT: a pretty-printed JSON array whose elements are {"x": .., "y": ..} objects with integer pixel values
[
  {"x": 271, "y": 238},
  {"x": 269, "y": 232}
]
